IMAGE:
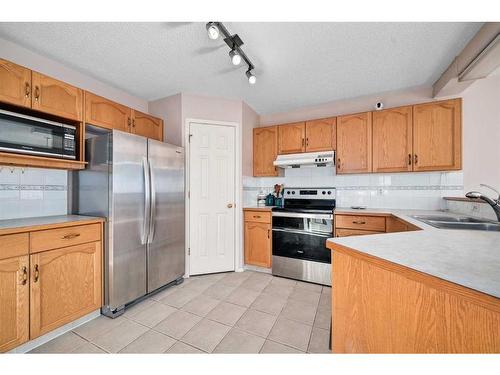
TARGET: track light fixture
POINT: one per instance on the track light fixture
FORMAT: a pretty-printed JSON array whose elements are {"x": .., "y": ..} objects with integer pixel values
[
  {"x": 234, "y": 42},
  {"x": 251, "y": 77},
  {"x": 235, "y": 57}
]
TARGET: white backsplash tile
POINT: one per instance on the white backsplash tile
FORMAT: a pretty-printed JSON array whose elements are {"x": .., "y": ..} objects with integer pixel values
[
  {"x": 31, "y": 192},
  {"x": 382, "y": 190}
]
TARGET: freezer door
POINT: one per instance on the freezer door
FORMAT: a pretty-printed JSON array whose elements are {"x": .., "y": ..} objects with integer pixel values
[
  {"x": 166, "y": 249},
  {"x": 129, "y": 219}
]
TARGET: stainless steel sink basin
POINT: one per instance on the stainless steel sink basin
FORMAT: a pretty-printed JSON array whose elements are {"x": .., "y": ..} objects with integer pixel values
[{"x": 462, "y": 222}]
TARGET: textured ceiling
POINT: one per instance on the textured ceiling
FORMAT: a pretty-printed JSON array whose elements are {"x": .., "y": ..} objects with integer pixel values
[{"x": 297, "y": 64}]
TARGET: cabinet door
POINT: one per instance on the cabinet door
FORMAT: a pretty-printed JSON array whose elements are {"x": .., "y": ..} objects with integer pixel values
[
  {"x": 321, "y": 134},
  {"x": 392, "y": 140},
  {"x": 15, "y": 84},
  {"x": 147, "y": 126},
  {"x": 107, "y": 114},
  {"x": 292, "y": 138},
  {"x": 258, "y": 244},
  {"x": 14, "y": 302},
  {"x": 65, "y": 285},
  {"x": 354, "y": 143},
  {"x": 56, "y": 97},
  {"x": 265, "y": 150},
  {"x": 437, "y": 136}
]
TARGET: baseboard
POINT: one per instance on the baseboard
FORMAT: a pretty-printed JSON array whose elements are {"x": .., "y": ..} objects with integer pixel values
[
  {"x": 30, "y": 345},
  {"x": 256, "y": 269}
]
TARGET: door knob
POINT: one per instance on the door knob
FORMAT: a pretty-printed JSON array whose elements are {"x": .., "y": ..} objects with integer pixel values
[{"x": 229, "y": 205}]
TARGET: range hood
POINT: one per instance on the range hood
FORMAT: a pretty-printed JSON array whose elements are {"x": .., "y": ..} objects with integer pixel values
[{"x": 308, "y": 159}]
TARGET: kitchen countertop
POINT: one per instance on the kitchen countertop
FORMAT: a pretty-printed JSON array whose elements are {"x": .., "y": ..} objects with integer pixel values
[
  {"x": 44, "y": 222},
  {"x": 466, "y": 257},
  {"x": 258, "y": 208}
]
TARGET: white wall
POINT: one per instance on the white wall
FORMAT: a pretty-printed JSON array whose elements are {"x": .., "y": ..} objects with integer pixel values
[
  {"x": 250, "y": 120},
  {"x": 22, "y": 56},
  {"x": 170, "y": 110},
  {"x": 481, "y": 134}
]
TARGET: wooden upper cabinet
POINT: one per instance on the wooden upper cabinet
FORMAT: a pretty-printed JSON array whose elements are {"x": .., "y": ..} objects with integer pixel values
[
  {"x": 65, "y": 285},
  {"x": 321, "y": 134},
  {"x": 392, "y": 140},
  {"x": 15, "y": 84},
  {"x": 265, "y": 150},
  {"x": 292, "y": 138},
  {"x": 147, "y": 125},
  {"x": 437, "y": 140},
  {"x": 14, "y": 302},
  {"x": 354, "y": 143},
  {"x": 56, "y": 97},
  {"x": 102, "y": 112}
]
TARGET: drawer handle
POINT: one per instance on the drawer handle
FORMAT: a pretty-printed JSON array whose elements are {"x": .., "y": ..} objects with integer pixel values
[
  {"x": 36, "y": 274},
  {"x": 71, "y": 236},
  {"x": 359, "y": 222},
  {"x": 256, "y": 216},
  {"x": 24, "y": 280}
]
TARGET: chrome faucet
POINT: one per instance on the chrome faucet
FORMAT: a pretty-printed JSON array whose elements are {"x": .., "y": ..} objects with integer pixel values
[{"x": 494, "y": 203}]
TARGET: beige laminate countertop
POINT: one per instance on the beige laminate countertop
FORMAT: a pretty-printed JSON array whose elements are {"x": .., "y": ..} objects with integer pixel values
[
  {"x": 258, "y": 208},
  {"x": 469, "y": 258},
  {"x": 44, "y": 222}
]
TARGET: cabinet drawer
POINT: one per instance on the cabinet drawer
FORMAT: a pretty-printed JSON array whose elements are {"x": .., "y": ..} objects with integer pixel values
[
  {"x": 13, "y": 245},
  {"x": 258, "y": 216},
  {"x": 375, "y": 223},
  {"x": 353, "y": 232},
  {"x": 57, "y": 238}
]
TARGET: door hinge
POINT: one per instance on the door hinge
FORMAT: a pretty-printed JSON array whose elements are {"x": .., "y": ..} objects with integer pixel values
[
  {"x": 189, "y": 251},
  {"x": 189, "y": 139}
]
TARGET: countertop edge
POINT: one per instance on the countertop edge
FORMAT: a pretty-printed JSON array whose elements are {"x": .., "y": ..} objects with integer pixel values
[
  {"x": 73, "y": 220},
  {"x": 478, "y": 296}
]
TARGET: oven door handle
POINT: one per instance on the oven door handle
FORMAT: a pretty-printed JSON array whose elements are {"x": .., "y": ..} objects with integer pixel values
[
  {"x": 302, "y": 215},
  {"x": 325, "y": 235}
]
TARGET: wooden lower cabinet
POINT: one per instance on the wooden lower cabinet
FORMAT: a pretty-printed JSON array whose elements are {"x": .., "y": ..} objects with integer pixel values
[
  {"x": 66, "y": 284},
  {"x": 14, "y": 302},
  {"x": 381, "y": 307},
  {"x": 258, "y": 240}
]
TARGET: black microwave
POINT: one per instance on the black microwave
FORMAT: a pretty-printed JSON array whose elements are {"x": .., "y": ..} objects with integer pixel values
[{"x": 34, "y": 136}]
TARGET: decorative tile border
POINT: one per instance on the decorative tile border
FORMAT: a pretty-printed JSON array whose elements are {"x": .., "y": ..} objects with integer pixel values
[
  {"x": 4, "y": 187},
  {"x": 375, "y": 188}
]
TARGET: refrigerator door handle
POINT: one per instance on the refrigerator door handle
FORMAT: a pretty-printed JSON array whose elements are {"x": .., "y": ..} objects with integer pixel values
[
  {"x": 147, "y": 201},
  {"x": 152, "y": 213}
]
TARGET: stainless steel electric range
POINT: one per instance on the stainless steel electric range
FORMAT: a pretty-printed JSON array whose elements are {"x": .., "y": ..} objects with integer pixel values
[{"x": 300, "y": 230}]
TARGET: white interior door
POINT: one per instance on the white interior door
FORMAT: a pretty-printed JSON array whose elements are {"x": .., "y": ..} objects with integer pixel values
[{"x": 212, "y": 162}]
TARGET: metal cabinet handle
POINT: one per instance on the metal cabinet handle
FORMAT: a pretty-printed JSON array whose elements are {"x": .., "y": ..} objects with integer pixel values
[
  {"x": 129, "y": 121},
  {"x": 71, "y": 236},
  {"x": 307, "y": 141},
  {"x": 37, "y": 93},
  {"x": 133, "y": 123},
  {"x": 338, "y": 163},
  {"x": 27, "y": 90},
  {"x": 24, "y": 271},
  {"x": 268, "y": 233},
  {"x": 36, "y": 274},
  {"x": 303, "y": 142},
  {"x": 256, "y": 216},
  {"x": 409, "y": 159},
  {"x": 415, "y": 159},
  {"x": 359, "y": 222}
]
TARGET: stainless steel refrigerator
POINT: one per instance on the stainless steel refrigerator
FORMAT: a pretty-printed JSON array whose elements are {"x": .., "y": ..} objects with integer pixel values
[{"x": 138, "y": 185}]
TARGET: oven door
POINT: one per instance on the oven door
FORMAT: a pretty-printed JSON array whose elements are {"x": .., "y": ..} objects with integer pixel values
[
  {"x": 27, "y": 135},
  {"x": 302, "y": 236}
]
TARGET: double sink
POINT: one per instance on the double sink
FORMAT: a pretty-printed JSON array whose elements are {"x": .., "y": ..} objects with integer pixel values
[{"x": 463, "y": 222}]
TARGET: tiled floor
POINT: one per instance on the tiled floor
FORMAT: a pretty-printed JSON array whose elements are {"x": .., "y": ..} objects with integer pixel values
[{"x": 247, "y": 312}]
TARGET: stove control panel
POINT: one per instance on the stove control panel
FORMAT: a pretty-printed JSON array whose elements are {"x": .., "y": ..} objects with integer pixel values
[{"x": 308, "y": 193}]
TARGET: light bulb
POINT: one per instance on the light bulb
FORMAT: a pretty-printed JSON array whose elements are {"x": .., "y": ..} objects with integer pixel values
[
  {"x": 235, "y": 57},
  {"x": 251, "y": 77},
  {"x": 212, "y": 30}
]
